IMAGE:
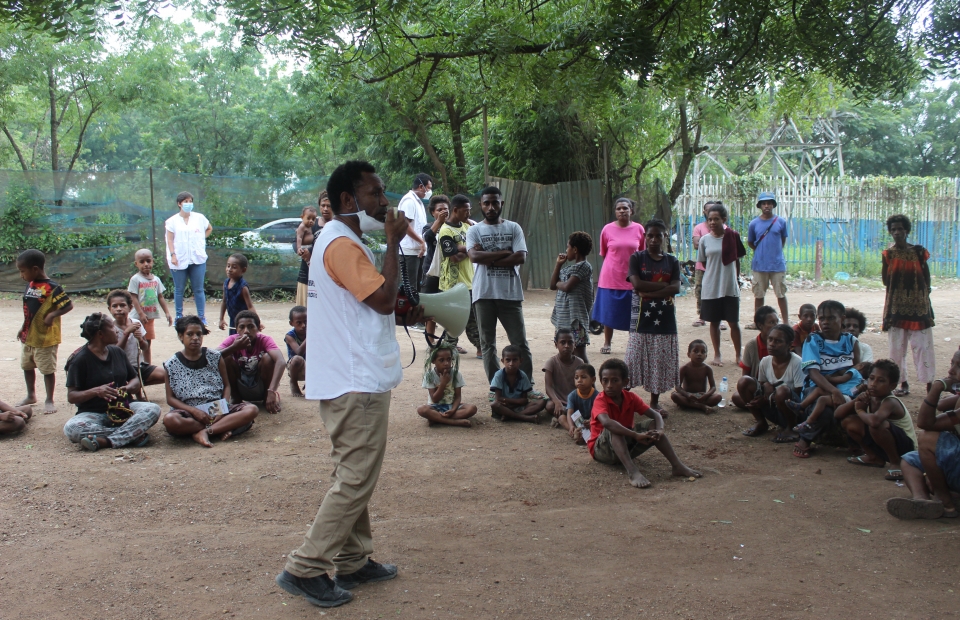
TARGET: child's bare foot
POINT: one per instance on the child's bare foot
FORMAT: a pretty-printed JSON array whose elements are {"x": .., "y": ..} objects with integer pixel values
[
  {"x": 716, "y": 361},
  {"x": 463, "y": 423},
  {"x": 710, "y": 410},
  {"x": 637, "y": 480},
  {"x": 529, "y": 418},
  {"x": 29, "y": 399},
  {"x": 739, "y": 361},
  {"x": 226, "y": 436},
  {"x": 295, "y": 389},
  {"x": 686, "y": 472},
  {"x": 26, "y": 410},
  {"x": 202, "y": 438},
  {"x": 49, "y": 407}
]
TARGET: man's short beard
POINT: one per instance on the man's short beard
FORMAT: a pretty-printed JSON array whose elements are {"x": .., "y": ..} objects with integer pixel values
[{"x": 495, "y": 216}]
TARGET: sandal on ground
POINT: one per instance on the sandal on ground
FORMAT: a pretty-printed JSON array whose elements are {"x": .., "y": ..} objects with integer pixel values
[
  {"x": 799, "y": 428},
  {"x": 143, "y": 441},
  {"x": 754, "y": 432},
  {"x": 461, "y": 351},
  {"x": 858, "y": 460},
  {"x": 750, "y": 326},
  {"x": 781, "y": 438},
  {"x": 801, "y": 453},
  {"x": 699, "y": 323},
  {"x": 605, "y": 350},
  {"x": 89, "y": 443},
  {"x": 723, "y": 327},
  {"x": 901, "y": 392},
  {"x": 911, "y": 508},
  {"x": 894, "y": 475}
]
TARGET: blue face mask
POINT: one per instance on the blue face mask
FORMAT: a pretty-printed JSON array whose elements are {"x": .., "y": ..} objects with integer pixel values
[{"x": 187, "y": 207}]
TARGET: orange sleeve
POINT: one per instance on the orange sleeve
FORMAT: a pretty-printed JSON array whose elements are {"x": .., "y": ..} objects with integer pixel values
[{"x": 347, "y": 264}]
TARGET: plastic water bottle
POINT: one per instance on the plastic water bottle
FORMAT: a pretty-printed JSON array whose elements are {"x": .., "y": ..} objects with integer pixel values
[{"x": 724, "y": 388}]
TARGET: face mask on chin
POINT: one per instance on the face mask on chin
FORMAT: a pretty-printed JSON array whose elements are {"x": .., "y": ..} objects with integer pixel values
[{"x": 367, "y": 223}]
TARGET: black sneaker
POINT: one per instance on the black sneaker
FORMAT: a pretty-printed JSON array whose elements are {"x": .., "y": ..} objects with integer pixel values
[
  {"x": 371, "y": 571},
  {"x": 321, "y": 590}
]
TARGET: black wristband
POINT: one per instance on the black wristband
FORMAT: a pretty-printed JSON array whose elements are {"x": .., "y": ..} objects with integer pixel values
[{"x": 927, "y": 402}]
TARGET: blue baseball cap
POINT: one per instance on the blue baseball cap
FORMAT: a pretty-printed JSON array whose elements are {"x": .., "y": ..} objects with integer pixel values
[{"x": 767, "y": 196}]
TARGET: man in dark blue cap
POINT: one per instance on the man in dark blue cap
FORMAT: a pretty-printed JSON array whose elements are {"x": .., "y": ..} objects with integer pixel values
[{"x": 766, "y": 237}]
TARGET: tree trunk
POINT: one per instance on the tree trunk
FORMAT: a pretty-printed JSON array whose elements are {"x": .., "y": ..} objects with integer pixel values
[
  {"x": 418, "y": 130},
  {"x": 13, "y": 143},
  {"x": 688, "y": 150},
  {"x": 456, "y": 123},
  {"x": 54, "y": 121}
]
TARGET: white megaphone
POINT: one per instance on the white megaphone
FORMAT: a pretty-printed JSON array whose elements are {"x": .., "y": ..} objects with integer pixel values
[{"x": 451, "y": 308}]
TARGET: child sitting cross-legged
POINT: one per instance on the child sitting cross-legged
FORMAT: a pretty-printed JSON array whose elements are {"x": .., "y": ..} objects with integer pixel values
[
  {"x": 510, "y": 390},
  {"x": 879, "y": 422},
  {"x": 615, "y": 435},
  {"x": 580, "y": 400},
  {"x": 694, "y": 378},
  {"x": 443, "y": 382}
]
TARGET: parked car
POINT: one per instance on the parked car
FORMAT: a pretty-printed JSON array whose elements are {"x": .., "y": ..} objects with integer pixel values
[{"x": 278, "y": 234}]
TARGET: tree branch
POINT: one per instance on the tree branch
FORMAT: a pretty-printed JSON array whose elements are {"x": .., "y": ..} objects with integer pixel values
[{"x": 13, "y": 143}]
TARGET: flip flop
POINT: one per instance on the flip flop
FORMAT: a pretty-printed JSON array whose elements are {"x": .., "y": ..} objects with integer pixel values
[
  {"x": 858, "y": 460},
  {"x": 801, "y": 453},
  {"x": 699, "y": 323},
  {"x": 750, "y": 326},
  {"x": 910, "y": 508},
  {"x": 894, "y": 475},
  {"x": 781, "y": 438},
  {"x": 901, "y": 392},
  {"x": 752, "y": 432},
  {"x": 605, "y": 350},
  {"x": 89, "y": 443}
]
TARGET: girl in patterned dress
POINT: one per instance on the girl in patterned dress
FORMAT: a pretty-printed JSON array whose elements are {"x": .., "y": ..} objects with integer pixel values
[
  {"x": 907, "y": 313},
  {"x": 653, "y": 350},
  {"x": 572, "y": 279}
]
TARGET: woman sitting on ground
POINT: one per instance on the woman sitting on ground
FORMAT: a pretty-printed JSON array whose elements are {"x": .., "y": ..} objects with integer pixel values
[
  {"x": 197, "y": 377},
  {"x": 101, "y": 383}
]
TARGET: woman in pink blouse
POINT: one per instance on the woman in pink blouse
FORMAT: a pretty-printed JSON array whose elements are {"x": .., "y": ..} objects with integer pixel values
[{"x": 618, "y": 241}]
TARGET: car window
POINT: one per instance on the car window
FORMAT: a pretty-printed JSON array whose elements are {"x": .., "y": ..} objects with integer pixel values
[{"x": 282, "y": 232}]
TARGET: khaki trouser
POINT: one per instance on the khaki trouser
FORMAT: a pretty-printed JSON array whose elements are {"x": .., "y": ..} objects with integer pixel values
[{"x": 340, "y": 536}]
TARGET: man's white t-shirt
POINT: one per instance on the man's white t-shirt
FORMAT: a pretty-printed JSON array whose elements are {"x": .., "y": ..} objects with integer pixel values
[
  {"x": 412, "y": 208},
  {"x": 497, "y": 282}
]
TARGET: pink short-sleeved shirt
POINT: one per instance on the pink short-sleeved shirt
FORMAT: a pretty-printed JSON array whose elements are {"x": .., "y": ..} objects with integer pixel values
[{"x": 617, "y": 245}]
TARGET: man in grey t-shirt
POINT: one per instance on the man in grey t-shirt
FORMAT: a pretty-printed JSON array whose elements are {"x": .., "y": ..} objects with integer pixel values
[{"x": 497, "y": 248}]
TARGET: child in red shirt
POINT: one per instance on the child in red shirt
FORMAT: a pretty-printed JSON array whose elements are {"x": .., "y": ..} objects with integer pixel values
[{"x": 615, "y": 437}]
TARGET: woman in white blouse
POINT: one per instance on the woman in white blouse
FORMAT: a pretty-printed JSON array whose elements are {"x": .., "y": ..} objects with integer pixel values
[{"x": 186, "y": 236}]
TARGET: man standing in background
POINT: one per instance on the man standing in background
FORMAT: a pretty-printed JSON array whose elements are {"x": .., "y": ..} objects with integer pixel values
[{"x": 766, "y": 237}]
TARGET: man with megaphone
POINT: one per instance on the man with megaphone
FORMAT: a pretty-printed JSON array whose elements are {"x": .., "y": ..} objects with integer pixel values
[{"x": 353, "y": 362}]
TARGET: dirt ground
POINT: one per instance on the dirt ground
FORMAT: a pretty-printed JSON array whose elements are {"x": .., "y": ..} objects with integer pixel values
[{"x": 501, "y": 520}]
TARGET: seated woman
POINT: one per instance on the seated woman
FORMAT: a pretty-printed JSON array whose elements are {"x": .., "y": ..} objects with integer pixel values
[
  {"x": 101, "y": 382},
  {"x": 935, "y": 465},
  {"x": 196, "y": 383}
]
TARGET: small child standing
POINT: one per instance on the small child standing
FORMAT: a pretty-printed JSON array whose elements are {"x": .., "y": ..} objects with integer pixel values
[
  {"x": 510, "y": 389},
  {"x": 44, "y": 302},
  {"x": 558, "y": 372},
  {"x": 695, "y": 376},
  {"x": 581, "y": 400},
  {"x": 615, "y": 435},
  {"x": 307, "y": 233},
  {"x": 573, "y": 280},
  {"x": 296, "y": 340},
  {"x": 147, "y": 291},
  {"x": 236, "y": 293},
  {"x": 806, "y": 326},
  {"x": 132, "y": 339},
  {"x": 443, "y": 382}
]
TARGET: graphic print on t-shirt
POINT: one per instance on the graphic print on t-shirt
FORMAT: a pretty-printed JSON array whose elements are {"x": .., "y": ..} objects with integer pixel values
[
  {"x": 497, "y": 241},
  {"x": 40, "y": 297}
]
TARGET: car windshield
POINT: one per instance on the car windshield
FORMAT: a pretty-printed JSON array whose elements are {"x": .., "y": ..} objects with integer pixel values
[{"x": 281, "y": 232}]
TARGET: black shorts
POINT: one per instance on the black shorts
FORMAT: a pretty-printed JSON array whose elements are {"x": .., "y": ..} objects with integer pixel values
[
  {"x": 903, "y": 442},
  {"x": 146, "y": 370},
  {"x": 722, "y": 309}
]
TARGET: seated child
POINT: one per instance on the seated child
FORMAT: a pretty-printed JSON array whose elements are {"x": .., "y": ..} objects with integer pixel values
[
  {"x": 236, "y": 293},
  {"x": 558, "y": 374},
  {"x": 848, "y": 382},
  {"x": 854, "y": 323},
  {"x": 254, "y": 363},
  {"x": 580, "y": 399},
  {"x": 806, "y": 326},
  {"x": 694, "y": 378},
  {"x": 615, "y": 435},
  {"x": 765, "y": 318},
  {"x": 443, "y": 382},
  {"x": 14, "y": 419},
  {"x": 132, "y": 339},
  {"x": 296, "y": 340},
  {"x": 879, "y": 422},
  {"x": 510, "y": 390}
]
